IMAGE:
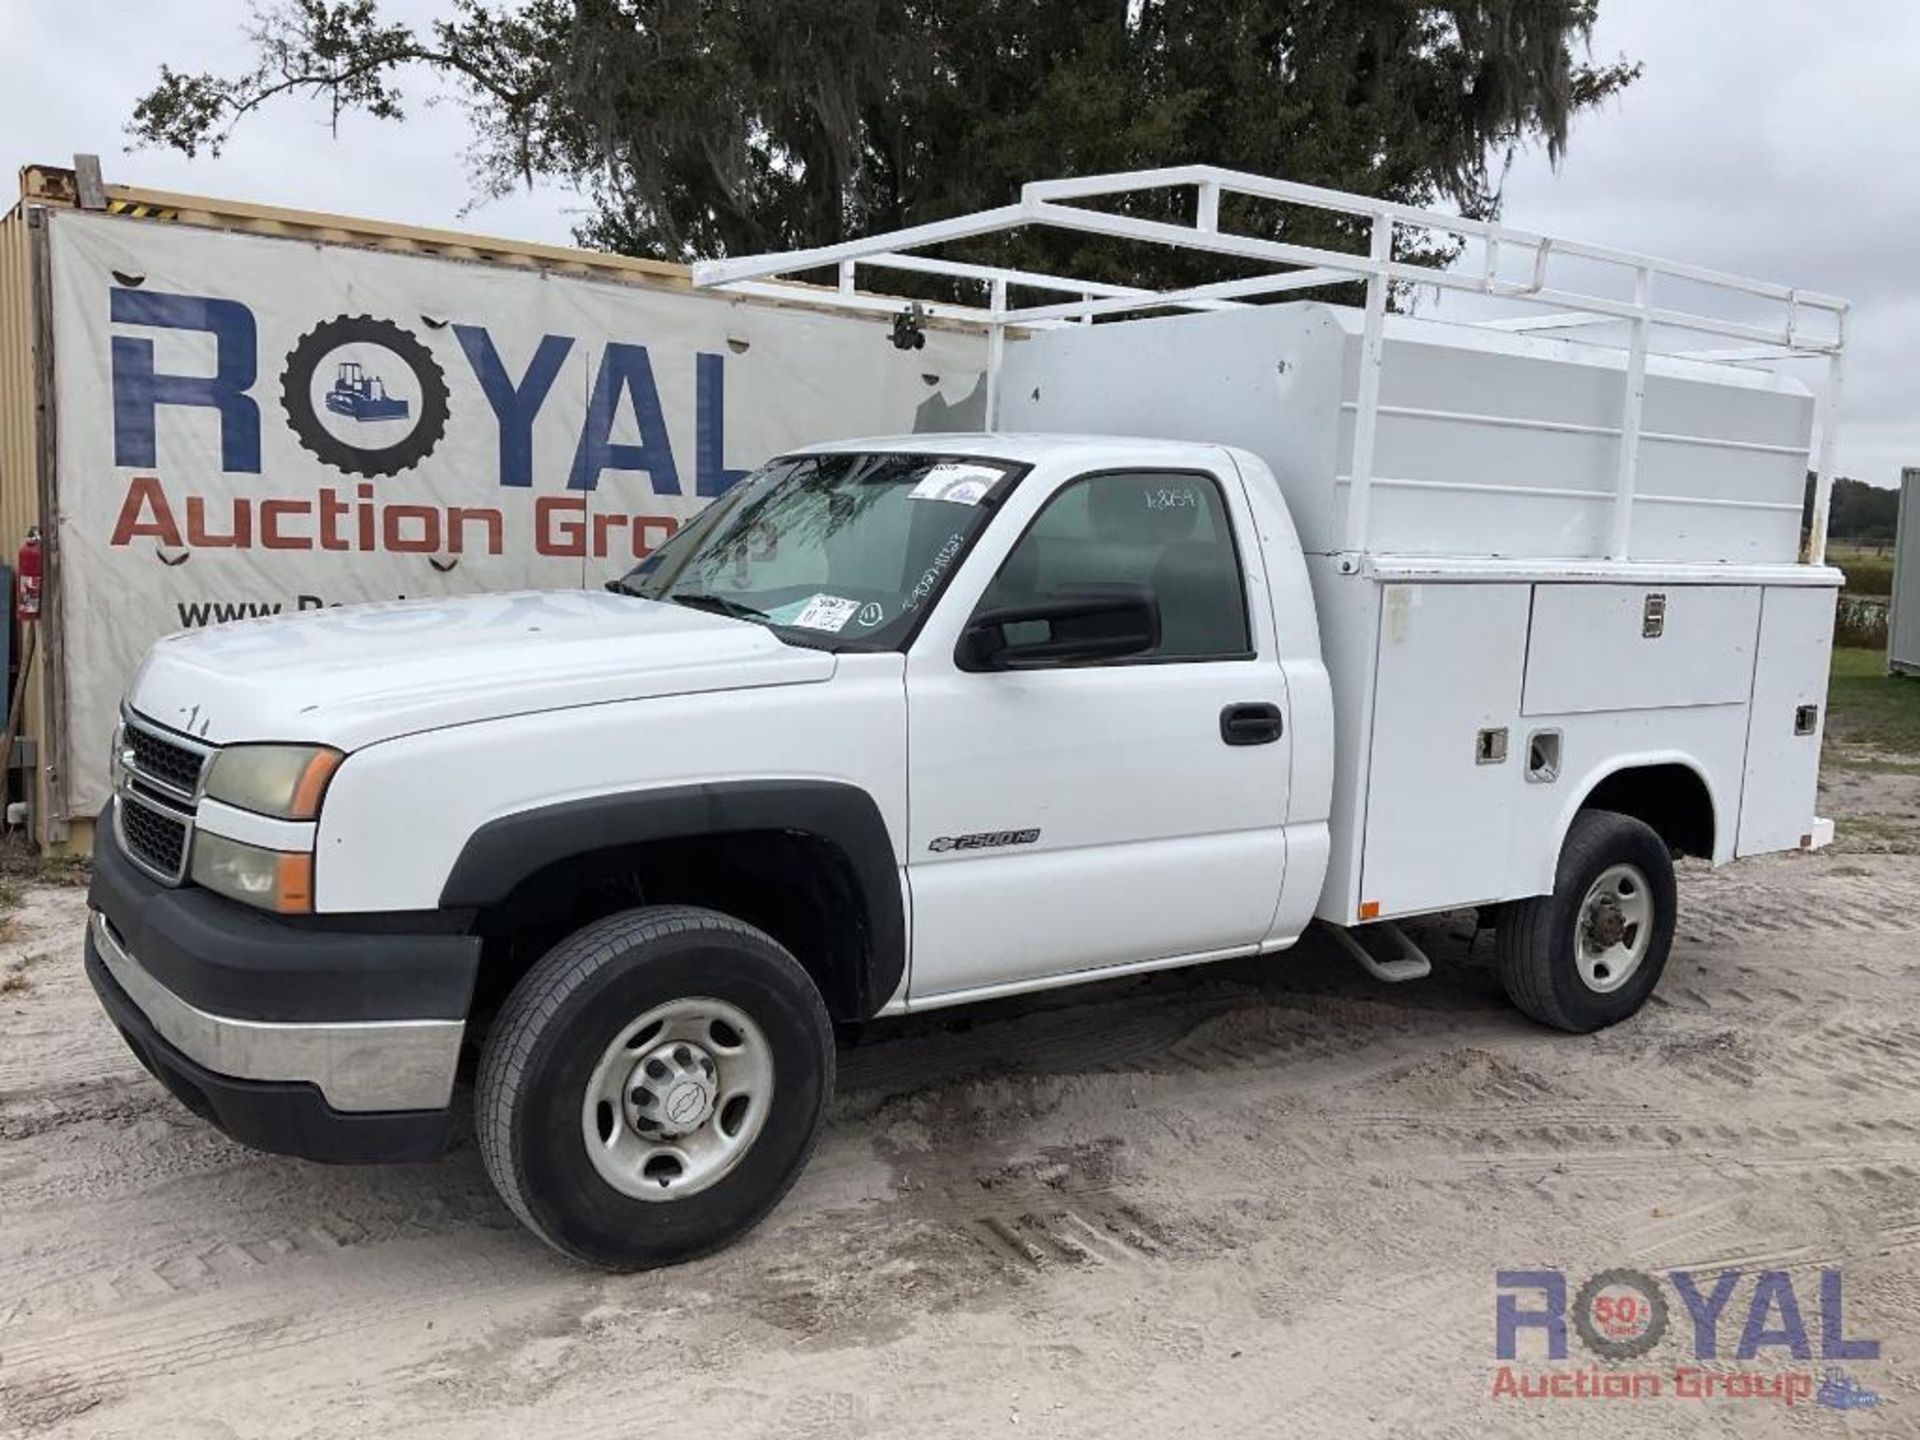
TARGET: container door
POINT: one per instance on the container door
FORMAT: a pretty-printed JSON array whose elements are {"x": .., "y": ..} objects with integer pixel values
[{"x": 1903, "y": 614}]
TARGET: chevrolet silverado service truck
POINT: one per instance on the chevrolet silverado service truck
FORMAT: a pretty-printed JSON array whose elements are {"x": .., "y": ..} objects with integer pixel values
[{"x": 1246, "y": 616}]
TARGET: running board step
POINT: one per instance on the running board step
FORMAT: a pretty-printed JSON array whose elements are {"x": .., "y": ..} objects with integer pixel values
[{"x": 1412, "y": 963}]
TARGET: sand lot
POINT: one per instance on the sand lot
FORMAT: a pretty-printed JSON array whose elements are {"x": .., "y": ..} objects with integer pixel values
[{"x": 1260, "y": 1199}]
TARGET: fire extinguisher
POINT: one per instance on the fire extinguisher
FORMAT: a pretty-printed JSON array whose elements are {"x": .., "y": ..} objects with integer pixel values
[
  {"x": 26, "y": 609},
  {"x": 26, "y": 604}
]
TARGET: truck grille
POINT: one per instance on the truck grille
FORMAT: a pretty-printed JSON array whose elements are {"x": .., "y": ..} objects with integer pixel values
[
  {"x": 166, "y": 762},
  {"x": 155, "y": 839},
  {"x": 157, "y": 790}
]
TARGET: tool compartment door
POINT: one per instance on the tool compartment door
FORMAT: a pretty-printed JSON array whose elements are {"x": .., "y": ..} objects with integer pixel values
[
  {"x": 1788, "y": 717},
  {"x": 1640, "y": 647},
  {"x": 1439, "y": 813}
]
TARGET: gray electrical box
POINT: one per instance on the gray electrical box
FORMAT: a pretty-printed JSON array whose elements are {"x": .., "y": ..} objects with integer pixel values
[{"x": 1903, "y": 614}]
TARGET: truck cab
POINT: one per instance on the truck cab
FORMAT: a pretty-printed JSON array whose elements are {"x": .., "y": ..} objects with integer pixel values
[{"x": 1026, "y": 710}]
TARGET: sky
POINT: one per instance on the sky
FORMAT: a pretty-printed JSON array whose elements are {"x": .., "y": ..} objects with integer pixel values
[{"x": 1764, "y": 138}]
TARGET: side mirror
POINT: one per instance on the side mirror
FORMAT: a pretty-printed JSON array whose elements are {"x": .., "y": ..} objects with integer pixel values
[{"x": 1071, "y": 629}]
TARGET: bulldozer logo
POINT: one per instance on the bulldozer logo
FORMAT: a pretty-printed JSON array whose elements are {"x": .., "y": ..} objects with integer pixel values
[{"x": 364, "y": 395}]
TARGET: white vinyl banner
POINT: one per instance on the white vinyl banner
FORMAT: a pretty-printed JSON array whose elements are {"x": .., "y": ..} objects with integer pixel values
[{"x": 249, "y": 426}]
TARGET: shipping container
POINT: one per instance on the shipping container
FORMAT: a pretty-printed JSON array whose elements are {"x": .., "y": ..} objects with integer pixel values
[
  {"x": 1903, "y": 608},
  {"x": 216, "y": 410}
]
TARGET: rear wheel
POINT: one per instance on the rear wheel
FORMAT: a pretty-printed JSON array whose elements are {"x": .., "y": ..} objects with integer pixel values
[
  {"x": 1589, "y": 954},
  {"x": 653, "y": 1086}
]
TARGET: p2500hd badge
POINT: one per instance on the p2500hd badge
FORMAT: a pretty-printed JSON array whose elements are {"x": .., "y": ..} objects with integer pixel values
[{"x": 989, "y": 840}]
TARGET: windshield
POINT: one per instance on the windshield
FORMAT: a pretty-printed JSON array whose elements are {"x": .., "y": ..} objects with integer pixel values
[{"x": 839, "y": 551}]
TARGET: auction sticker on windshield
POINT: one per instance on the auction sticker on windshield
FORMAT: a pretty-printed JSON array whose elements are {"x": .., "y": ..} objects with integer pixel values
[
  {"x": 958, "y": 484},
  {"x": 825, "y": 612}
]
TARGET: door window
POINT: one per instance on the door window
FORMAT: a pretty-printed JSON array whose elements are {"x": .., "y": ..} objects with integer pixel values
[{"x": 1167, "y": 531}]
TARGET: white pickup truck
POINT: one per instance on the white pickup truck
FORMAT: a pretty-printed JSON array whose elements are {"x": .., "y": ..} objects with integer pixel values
[{"x": 905, "y": 723}]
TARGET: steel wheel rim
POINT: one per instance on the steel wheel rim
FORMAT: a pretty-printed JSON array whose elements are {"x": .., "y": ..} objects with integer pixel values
[
  {"x": 708, "y": 1072},
  {"x": 1614, "y": 929}
]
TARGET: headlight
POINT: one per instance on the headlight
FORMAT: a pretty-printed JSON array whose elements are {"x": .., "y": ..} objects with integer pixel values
[
  {"x": 271, "y": 879},
  {"x": 285, "y": 781}
]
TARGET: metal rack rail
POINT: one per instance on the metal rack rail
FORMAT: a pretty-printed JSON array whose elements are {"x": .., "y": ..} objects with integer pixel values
[{"x": 1793, "y": 324}]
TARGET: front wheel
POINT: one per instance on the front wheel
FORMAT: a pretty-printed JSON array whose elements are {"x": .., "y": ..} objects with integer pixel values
[
  {"x": 1589, "y": 954},
  {"x": 653, "y": 1086}
]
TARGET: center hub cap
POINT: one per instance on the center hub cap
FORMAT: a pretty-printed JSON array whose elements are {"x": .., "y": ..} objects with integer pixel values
[
  {"x": 679, "y": 1096},
  {"x": 1606, "y": 926},
  {"x": 672, "y": 1090}
]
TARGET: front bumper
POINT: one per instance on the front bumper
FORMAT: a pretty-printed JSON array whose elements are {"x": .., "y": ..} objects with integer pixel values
[
  {"x": 287, "y": 1119},
  {"x": 299, "y": 1038}
]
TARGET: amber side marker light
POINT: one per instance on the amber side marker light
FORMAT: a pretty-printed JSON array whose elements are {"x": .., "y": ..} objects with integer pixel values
[
  {"x": 312, "y": 787},
  {"x": 296, "y": 885},
  {"x": 1369, "y": 909}
]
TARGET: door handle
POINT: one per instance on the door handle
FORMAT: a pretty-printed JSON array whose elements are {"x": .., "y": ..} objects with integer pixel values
[{"x": 1251, "y": 724}]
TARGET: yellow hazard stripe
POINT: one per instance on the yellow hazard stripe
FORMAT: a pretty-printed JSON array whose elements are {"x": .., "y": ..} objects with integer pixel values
[{"x": 138, "y": 211}]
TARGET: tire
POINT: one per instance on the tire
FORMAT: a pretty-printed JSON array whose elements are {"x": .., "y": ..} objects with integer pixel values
[
  {"x": 296, "y": 396},
  {"x": 566, "y": 1024},
  {"x": 1540, "y": 940}
]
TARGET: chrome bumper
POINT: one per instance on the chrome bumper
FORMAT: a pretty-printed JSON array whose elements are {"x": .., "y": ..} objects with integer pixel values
[{"x": 366, "y": 1065}]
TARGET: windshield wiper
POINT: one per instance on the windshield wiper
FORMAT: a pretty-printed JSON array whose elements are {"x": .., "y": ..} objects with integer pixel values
[
  {"x": 718, "y": 604},
  {"x": 621, "y": 587}
]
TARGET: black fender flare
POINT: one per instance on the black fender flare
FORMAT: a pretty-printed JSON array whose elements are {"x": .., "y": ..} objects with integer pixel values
[{"x": 507, "y": 850}]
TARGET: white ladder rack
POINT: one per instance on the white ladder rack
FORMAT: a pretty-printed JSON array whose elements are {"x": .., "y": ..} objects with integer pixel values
[{"x": 1793, "y": 325}]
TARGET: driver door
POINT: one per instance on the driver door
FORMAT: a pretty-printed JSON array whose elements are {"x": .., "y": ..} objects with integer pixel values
[{"x": 1083, "y": 816}]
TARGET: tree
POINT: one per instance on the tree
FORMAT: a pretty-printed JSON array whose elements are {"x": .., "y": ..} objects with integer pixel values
[
  {"x": 1858, "y": 514},
  {"x": 713, "y": 127}
]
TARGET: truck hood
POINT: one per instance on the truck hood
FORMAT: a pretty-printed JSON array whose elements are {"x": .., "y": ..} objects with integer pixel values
[{"x": 355, "y": 674}]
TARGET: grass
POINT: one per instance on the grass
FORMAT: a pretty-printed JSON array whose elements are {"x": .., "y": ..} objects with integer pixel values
[
  {"x": 1866, "y": 706},
  {"x": 1871, "y": 764},
  {"x": 1869, "y": 571},
  {"x": 73, "y": 871},
  {"x": 1860, "y": 621},
  {"x": 9, "y": 902},
  {"x": 20, "y": 862},
  {"x": 1877, "y": 835}
]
